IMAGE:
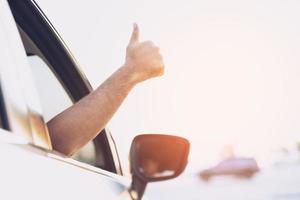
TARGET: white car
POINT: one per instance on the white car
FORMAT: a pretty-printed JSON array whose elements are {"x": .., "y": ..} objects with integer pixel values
[{"x": 29, "y": 168}]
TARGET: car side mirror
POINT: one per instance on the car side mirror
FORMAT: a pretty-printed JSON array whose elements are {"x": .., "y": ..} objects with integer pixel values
[{"x": 155, "y": 157}]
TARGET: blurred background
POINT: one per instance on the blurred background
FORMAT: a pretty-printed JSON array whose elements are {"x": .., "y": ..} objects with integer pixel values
[{"x": 231, "y": 85}]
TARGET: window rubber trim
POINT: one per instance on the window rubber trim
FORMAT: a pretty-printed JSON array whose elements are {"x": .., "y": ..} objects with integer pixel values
[{"x": 3, "y": 114}]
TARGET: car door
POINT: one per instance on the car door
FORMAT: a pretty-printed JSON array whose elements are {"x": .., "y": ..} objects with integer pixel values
[
  {"x": 29, "y": 168},
  {"x": 45, "y": 47},
  {"x": 20, "y": 110}
]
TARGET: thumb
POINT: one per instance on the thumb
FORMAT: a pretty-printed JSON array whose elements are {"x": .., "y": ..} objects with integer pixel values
[{"x": 135, "y": 34}]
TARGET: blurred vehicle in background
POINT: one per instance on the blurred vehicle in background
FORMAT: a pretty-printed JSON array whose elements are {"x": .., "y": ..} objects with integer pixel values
[
  {"x": 231, "y": 165},
  {"x": 241, "y": 167}
]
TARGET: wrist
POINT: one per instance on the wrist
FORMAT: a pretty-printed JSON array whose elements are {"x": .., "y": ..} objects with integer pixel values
[{"x": 129, "y": 74}]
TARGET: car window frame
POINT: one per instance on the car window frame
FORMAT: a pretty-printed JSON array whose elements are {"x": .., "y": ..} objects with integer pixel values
[
  {"x": 51, "y": 48},
  {"x": 19, "y": 98}
]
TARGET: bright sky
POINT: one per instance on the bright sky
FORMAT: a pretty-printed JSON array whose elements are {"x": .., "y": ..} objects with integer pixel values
[{"x": 232, "y": 74}]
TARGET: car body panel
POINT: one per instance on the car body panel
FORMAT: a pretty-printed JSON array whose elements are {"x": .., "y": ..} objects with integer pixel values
[
  {"x": 29, "y": 168},
  {"x": 28, "y": 172},
  {"x": 19, "y": 93},
  {"x": 10, "y": 50}
]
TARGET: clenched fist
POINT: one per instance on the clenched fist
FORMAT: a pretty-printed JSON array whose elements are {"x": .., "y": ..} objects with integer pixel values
[{"x": 143, "y": 59}]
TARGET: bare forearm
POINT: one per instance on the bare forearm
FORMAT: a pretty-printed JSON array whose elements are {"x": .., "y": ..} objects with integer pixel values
[{"x": 80, "y": 123}]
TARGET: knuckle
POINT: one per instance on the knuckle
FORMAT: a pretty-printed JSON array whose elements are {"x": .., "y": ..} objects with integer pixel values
[
  {"x": 160, "y": 70},
  {"x": 148, "y": 43},
  {"x": 129, "y": 48},
  {"x": 156, "y": 49},
  {"x": 160, "y": 56}
]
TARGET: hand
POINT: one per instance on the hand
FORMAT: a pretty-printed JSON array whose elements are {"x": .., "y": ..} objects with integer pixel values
[{"x": 143, "y": 58}]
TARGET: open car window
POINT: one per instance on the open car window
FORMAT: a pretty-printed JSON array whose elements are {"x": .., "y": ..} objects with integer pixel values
[
  {"x": 54, "y": 99},
  {"x": 41, "y": 39}
]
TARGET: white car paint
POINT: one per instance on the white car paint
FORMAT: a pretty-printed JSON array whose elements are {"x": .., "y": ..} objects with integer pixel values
[{"x": 30, "y": 171}]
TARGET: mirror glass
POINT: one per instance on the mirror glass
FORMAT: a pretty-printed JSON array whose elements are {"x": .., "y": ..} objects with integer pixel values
[{"x": 159, "y": 156}]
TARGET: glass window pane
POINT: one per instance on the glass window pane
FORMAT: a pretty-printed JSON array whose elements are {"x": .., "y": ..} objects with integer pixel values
[{"x": 54, "y": 99}]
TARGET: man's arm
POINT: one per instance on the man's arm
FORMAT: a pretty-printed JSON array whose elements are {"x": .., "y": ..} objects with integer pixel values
[{"x": 80, "y": 123}]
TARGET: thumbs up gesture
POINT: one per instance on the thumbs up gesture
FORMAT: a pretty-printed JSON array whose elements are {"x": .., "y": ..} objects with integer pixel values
[{"x": 143, "y": 58}]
